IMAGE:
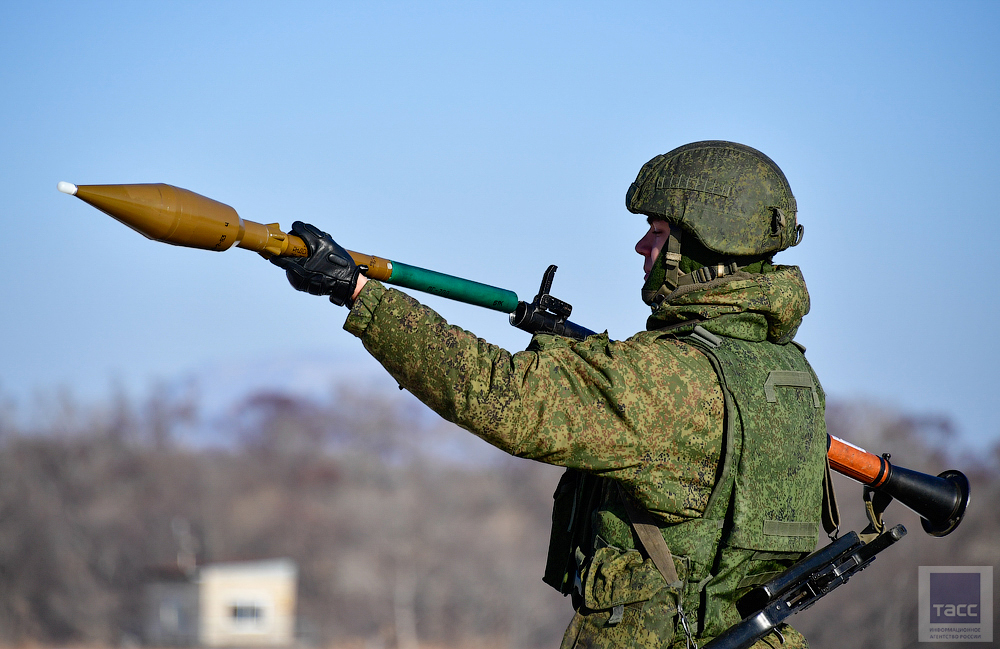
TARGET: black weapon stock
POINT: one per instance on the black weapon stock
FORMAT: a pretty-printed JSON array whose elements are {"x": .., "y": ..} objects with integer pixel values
[{"x": 794, "y": 590}]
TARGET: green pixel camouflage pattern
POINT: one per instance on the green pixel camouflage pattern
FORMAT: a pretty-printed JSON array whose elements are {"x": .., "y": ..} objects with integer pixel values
[
  {"x": 647, "y": 412},
  {"x": 645, "y": 626},
  {"x": 731, "y": 197},
  {"x": 748, "y": 306},
  {"x": 786, "y": 440},
  {"x": 778, "y": 451},
  {"x": 783, "y": 437}
]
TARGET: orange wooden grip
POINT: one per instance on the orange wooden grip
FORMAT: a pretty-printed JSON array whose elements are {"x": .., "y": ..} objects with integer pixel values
[{"x": 857, "y": 463}]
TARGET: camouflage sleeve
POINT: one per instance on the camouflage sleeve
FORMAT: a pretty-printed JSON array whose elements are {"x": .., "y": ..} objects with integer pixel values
[{"x": 628, "y": 409}]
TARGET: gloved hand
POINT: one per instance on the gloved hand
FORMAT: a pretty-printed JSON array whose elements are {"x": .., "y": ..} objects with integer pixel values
[{"x": 328, "y": 270}]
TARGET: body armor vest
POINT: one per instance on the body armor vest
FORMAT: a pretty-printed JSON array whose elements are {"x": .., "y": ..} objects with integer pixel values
[{"x": 763, "y": 513}]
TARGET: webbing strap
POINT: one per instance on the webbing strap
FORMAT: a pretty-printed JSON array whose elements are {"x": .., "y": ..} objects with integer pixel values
[
  {"x": 831, "y": 511},
  {"x": 672, "y": 257},
  {"x": 671, "y": 260},
  {"x": 758, "y": 579},
  {"x": 652, "y": 540},
  {"x": 789, "y": 528},
  {"x": 789, "y": 379},
  {"x": 707, "y": 274},
  {"x": 706, "y": 337}
]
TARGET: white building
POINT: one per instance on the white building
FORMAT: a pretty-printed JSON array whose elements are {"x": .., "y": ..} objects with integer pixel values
[{"x": 237, "y": 604}]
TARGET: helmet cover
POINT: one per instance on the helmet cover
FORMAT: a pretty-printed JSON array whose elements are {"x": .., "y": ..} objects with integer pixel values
[{"x": 732, "y": 198}]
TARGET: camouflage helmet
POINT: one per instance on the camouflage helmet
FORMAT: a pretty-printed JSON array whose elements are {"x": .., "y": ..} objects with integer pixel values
[{"x": 730, "y": 197}]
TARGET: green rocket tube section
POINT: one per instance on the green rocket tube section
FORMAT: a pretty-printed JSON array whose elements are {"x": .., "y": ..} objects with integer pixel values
[{"x": 453, "y": 288}]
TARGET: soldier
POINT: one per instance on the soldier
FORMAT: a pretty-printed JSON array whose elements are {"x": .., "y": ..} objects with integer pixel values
[{"x": 695, "y": 450}]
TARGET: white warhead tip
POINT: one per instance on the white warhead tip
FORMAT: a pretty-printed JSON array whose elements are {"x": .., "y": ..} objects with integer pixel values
[{"x": 66, "y": 188}]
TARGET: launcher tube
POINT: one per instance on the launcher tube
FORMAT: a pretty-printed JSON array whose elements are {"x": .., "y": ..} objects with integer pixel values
[
  {"x": 454, "y": 288},
  {"x": 857, "y": 463},
  {"x": 435, "y": 283}
]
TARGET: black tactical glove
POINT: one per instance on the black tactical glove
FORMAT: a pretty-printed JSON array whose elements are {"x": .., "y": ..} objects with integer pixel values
[{"x": 328, "y": 270}]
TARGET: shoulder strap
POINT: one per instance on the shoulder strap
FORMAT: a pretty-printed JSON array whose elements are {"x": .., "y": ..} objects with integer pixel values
[
  {"x": 732, "y": 445},
  {"x": 651, "y": 537}
]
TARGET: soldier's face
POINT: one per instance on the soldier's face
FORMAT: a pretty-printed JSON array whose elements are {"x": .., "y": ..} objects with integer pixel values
[{"x": 651, "y": 243}]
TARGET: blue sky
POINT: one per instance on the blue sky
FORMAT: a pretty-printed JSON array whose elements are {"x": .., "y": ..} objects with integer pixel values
[{"x": 489, "y": 140}]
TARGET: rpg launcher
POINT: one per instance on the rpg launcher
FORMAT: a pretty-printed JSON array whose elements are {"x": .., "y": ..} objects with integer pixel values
[{"x": 183, "y": 218}]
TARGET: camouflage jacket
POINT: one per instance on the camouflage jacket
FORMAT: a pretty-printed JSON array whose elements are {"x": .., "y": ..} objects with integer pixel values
[{"x": 646, "y": 411}]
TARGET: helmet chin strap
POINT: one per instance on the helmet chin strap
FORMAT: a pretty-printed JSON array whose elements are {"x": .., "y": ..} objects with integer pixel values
[
  {"x": 666, "y": 277},
  {"x": 665, "y": 273}
]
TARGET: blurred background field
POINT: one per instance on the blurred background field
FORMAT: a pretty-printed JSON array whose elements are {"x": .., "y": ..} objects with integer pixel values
[{"x": 406, "y": 532}]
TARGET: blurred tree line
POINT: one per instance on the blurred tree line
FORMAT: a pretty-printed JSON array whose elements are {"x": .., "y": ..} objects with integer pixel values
[
  {"x": 405, "y": 531},
  {"x": 397, "y": 539}
]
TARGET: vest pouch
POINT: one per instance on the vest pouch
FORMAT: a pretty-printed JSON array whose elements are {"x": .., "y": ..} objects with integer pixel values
[
  {"x": 575, "y": 497},
  {"x": 616, "y": 577},
  {"x": 616, "y": 616},
  {"x": 627, "y": 603}
]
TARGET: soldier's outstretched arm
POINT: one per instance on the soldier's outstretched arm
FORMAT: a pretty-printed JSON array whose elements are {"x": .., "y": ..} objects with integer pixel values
[{"x": 595, "y": 404}]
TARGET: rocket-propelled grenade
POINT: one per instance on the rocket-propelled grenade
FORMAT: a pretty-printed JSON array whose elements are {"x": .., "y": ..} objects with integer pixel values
[
  {"x": 183, "y": 218},
  {"x": 940, "y": 500}
]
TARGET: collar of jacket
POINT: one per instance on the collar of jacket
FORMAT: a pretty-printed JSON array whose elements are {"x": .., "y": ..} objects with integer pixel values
[{"x": 748, "y": 306}]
